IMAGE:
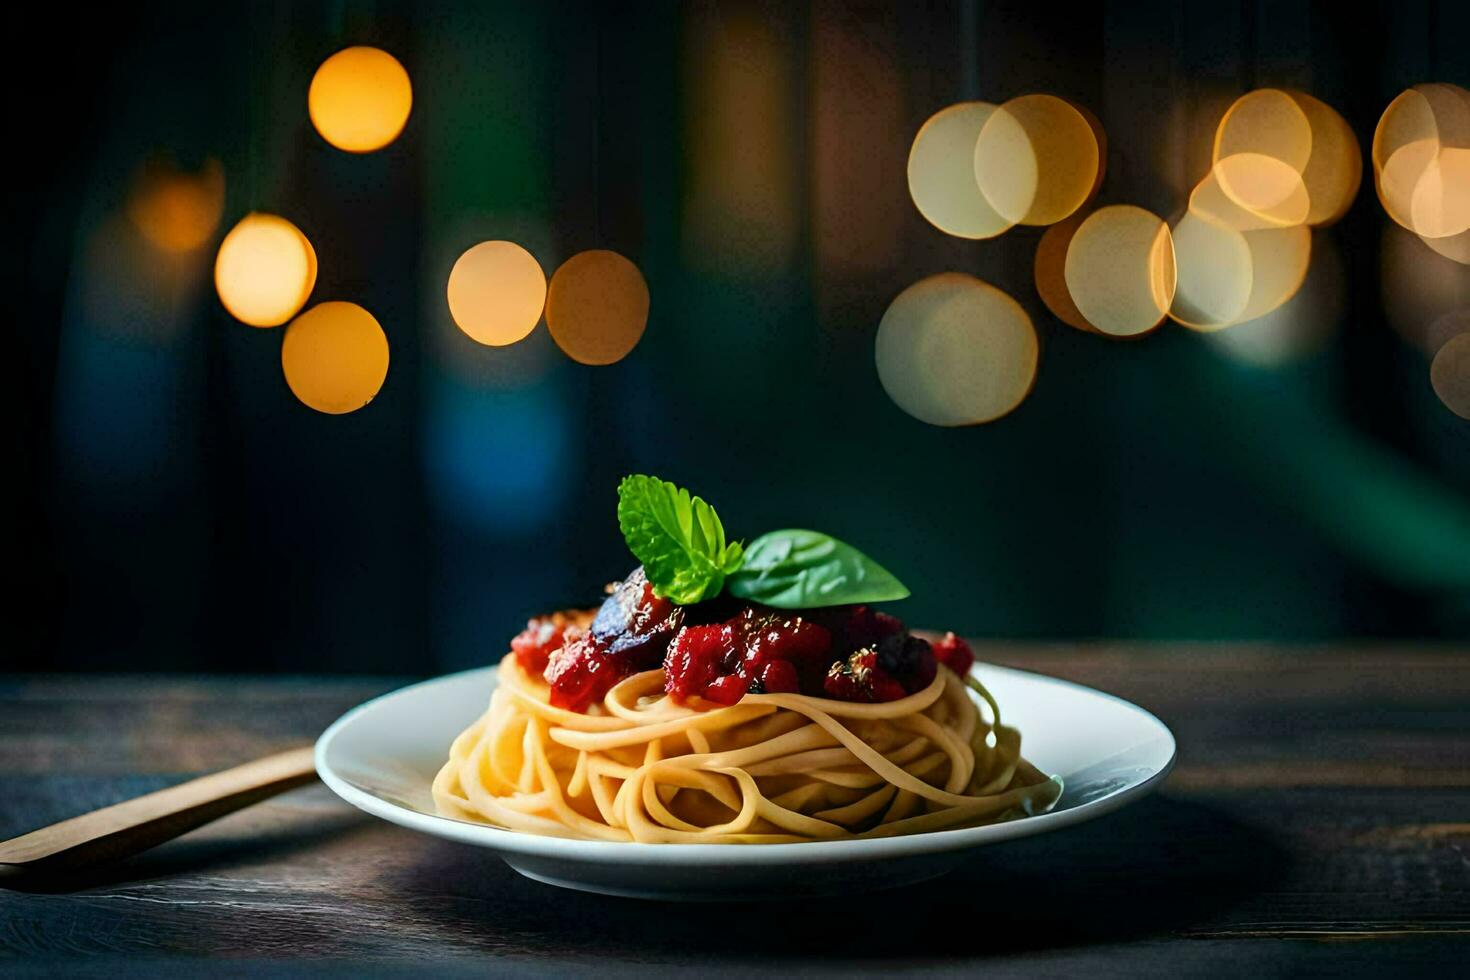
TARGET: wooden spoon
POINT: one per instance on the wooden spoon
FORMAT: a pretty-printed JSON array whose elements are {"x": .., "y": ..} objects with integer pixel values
[{"x": 136, "y": 825}]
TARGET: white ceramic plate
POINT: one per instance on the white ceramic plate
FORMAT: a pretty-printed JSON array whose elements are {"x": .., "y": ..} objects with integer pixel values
[{"x": 382, "y": 757}]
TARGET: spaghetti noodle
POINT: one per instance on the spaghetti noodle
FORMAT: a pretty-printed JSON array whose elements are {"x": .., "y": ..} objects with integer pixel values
[{"x": 771, "y": 768}]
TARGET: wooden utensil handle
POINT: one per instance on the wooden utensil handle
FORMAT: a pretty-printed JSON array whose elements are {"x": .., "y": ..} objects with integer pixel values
[{"x": 138, "y": 824}]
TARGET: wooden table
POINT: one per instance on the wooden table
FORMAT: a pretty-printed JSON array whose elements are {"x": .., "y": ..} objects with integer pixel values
[{"x": 1319, "y": 818}]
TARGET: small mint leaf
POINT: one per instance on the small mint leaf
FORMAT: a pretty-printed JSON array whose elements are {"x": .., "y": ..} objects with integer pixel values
[{"x": 678, "y": 538}]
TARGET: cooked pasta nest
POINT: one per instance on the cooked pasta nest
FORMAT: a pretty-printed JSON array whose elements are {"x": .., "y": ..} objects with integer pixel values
[{"x": 773, "y": 768}]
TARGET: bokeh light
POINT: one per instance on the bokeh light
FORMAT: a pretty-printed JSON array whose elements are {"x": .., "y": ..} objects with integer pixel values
[
  {"x": 174, "y": 210},
  {"x": 1279, "y": 261},
  {"x": 1262, "y": 147},
  {"x": 1397, "y": 179},
  {"x": 496, "y": 293},
  {"x": 1282, "y": 162},
  {"x": 1449, "y": 374},
  {"x": 1298, "y": 328},
  {"x": 335, "y": 357},
  {"x": 1269, "y": 122},
  {"x": 941, "y": 172},
  {"x": 1209, "y": 201},
  {"x": 1268, "y": 188},
  {"x": 1440, "y": 204},
  {"x": 597, "y": 307},
  {"x": 1050, "y": 270},
  {"x": 1409, "y": 118},
  {"x": 452, "y": 350},
  {"x": 1120, "y": 270},
  {"x": 265, "y": 270},
  {"x": 1421, "y": 160},
  {"x": 1285, "y": 157},
  {"x": 1432, "y": 111},
  {"x": 1334, "y": 171},
  {"x": 1214, "y": 270},
  {"x": 953, "y": 350},
  {"x": 1228, "y": 277},
  {"x": 1037, "y": 159},
  {"x": 360, "y": 99}
]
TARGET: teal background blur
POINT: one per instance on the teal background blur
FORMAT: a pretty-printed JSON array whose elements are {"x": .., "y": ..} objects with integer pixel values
[{"x": 179, "y": 509}]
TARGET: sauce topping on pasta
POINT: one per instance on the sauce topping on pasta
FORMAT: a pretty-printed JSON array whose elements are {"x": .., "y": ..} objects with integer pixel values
[{"x": 721, "y": 649}]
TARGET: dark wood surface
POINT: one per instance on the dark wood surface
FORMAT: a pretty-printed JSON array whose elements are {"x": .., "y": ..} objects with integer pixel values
[{"x": 1318, "y": 820}]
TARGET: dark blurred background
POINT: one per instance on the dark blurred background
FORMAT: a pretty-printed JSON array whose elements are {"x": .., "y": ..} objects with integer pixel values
[{"x": 179, "y": 509}]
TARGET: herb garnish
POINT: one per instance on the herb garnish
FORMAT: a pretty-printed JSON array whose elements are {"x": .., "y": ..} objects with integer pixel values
[
  {"x": 678, "y": 538},
  {"x": 681, "y": 543}
]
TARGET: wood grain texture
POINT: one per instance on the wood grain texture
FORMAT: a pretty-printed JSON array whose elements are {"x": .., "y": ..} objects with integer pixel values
[
  {"x": 1319, "y": 820},
  {"x": 136, "y": 824}
]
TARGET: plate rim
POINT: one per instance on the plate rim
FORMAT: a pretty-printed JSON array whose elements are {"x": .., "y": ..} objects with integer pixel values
[{"x": 711, "y": 855}]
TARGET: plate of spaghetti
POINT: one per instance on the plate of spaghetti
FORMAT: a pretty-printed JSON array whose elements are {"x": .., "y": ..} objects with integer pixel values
[{"x": 739, "y": 721}]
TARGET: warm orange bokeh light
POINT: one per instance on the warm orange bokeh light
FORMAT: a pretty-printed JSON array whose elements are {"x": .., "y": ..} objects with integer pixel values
[
  {"x": 1432, "y": 111},
  {"x": 1399, "y": 176},
  {"x": 1210, "y": 202},
  {"x": 1334, "y": 171},
  {"x": 1421, "y": 161},
  {"x": 1120, "y": 270},
  {"x": 1279, "y": 261},
  {"x": 1285, "y": 158},
  {"x": 1440, "y": 204},
  {"x": 496, "y": 293},
  {"x": 1228, "y": 276},
  {"x": 941, "y": 172},
  {"x": 597, "y": 307},
  {"x": 177, "y": 211},
  {"x": 265, "y": 270},
  {"x": 1037, "y": 159},
  {"x": 335, "y": 357},
  {"x": 1267, "y": 121},
  {"x": 360, "y": 99},
  {"x": 1269, "y": 188},
  {"x": 1050, "y": 270},
  {"x": 953, "y": 350}
]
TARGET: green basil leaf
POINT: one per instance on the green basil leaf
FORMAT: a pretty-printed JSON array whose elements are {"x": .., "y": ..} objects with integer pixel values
[
  {"x": 798, "y": 569},
  {"x": 678, "y": 538}
]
